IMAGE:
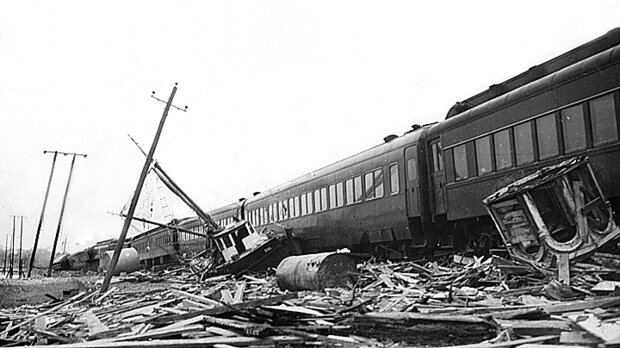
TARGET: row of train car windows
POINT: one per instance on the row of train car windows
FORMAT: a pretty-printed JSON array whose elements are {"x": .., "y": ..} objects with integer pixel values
[
  {"x": 161, "y": 241},
  {"x": 586, "y": 125},
  {"x": 351, "y": 191}
]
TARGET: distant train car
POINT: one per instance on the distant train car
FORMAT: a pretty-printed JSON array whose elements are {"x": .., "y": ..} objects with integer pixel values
[{"x": 163, "y": 245}]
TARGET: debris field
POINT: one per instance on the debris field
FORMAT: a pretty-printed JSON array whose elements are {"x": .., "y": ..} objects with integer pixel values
[{"x": 463, "y": 301}]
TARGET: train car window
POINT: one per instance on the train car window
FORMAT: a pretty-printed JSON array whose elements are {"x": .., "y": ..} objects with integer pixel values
[
  {"x": 320, "y": 200},
  {"x": 412, "y": 171},
  {"x": 287, "y": 210},
  {"x": 524, "y": 144},
  {"x": 276, "y": 212},
  {"x": 573, "y": 126},
  {"x": 304, "y": 205},
  {"x": 483, "y": 155},
  {"x": 332, "y": 196},
  {"x": 547, "y": 135},
  {"x": 339, "y": 194},
  {"x": 350, "y": 192},
  {"x": 437, "y": 156},
  {"x": 227, "y": 241},
  {"x": 317, "y": 201},
  {"x": 291, "y": 207},
  {"x": 379, "y": 183},
  {"x": 503, "y": 149},
  {"x": 394, "y": 181},
  {"x": 296, "y": 206},
  {"x": 604, "y": 126},
  {"x": 310, "y": 203},
  {"x": 460, "y": 163},
  {"x": 359, "y": 192},
  {"x": 369, "y": 183}
]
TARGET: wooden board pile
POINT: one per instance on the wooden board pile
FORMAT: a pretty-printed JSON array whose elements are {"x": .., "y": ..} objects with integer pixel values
[{"x": 475, "y": 302}]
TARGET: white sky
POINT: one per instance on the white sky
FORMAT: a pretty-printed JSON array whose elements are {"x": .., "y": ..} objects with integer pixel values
[{"x": 275, "y": 89}]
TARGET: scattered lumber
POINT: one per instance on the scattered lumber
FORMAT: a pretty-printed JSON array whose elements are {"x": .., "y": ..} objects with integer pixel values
[{"x": 466, "y": 301}]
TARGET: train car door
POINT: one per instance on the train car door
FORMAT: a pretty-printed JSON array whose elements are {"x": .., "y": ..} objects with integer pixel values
[
  {"x": 412, "y": 179},
  {"x": 437, "y": 178}
]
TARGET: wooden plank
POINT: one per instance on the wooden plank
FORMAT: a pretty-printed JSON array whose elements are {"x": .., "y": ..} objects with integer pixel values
[
  {"x": 582, "y": 305},
  {"x": 158, "y": 333},
  {"x": 521, "y": 343},
  {"x": 536, "y": 327},
  {"x": 226, "y": 309},
  {"x": 197, "y": 298},
  {"x": 190, "y": 343},
  {"x": 52, "y": 310},
  {"x": 238, "y": 298}
]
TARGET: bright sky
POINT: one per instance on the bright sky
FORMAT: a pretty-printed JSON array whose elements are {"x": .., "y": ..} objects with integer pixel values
[{"x": 275, "y": 89}]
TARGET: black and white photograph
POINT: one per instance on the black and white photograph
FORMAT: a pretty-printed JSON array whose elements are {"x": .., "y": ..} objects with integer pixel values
[{"x": 310, "y": 173}]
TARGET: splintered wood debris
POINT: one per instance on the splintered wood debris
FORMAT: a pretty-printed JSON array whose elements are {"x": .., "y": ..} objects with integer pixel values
[{"x": 465, "y": 302}]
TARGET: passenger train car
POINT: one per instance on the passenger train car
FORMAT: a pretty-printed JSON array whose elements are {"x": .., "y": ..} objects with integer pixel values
[{"x": 425, "y": 188}]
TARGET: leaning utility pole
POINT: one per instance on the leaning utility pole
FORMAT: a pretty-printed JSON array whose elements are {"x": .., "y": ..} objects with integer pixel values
[
  {"x": 62, "y": 211},
  {"x": 47, "y": 192},
  {"x": 136, "y": 195}
]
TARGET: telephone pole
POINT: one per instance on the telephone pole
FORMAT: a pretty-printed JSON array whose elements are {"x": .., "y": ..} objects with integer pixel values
[
  {"x": 62, "y": 212},
  {"x": 12, "y": 250},
  {"x": 21, "y": 237},
  {"x": 47, "y": 192},
  {"x": 6, "y": 253},
  {"x": 136, "y": 195}
]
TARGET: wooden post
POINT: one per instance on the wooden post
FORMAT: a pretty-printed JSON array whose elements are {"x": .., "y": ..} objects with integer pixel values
[
  {"x": 47, "y": 192},
  {"x": 136, "y": 195},
  {"x": 563, "y": 268},
  {"x": 6, "y": 253},
  {"x": 12, "y": 251},
  {"x": 21, "y": 236},
  {"x": 62, "y": 211}
]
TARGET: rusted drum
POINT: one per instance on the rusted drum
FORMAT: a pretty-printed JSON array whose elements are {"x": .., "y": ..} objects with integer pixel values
[
  {"x": 128, "y": 261},
  {"x": 316, "y": 271}
]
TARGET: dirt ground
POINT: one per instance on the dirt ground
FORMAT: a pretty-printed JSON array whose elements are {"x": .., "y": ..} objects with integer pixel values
[{"x": 18, "y": 292}]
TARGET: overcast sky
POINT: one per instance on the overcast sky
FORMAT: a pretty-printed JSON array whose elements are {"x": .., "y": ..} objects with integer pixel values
[{"x": 275, "y": 89}]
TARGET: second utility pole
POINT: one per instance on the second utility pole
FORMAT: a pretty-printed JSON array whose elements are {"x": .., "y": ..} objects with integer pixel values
[
  {"x": 62, "y": 211},
  {"x": 47, "y": 193}
]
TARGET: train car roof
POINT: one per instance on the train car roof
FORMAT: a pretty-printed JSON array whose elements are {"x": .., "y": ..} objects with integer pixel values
[
  {"x": 225, "y": 209},
  {"x": 589, "y": 64},
  {"x": 391, "y": 143},
  {"x": 591, "y": 48}
]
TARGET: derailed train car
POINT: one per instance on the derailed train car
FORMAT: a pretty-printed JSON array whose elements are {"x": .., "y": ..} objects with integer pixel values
[{"x": 425, "y": 188}]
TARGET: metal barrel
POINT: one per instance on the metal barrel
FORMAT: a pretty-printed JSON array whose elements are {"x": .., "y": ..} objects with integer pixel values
[
  {"x": 316, "y": 271},
  {"x": 128, "y": 261}
]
